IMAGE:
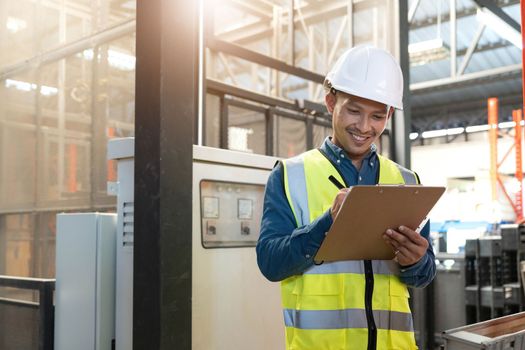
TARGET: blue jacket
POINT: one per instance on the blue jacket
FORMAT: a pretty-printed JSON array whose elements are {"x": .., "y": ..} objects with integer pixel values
[{"x": 284, "y": 250}]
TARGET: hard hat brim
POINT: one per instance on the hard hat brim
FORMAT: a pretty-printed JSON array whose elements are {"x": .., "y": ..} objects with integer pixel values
[{"x": 376, "y": 96}]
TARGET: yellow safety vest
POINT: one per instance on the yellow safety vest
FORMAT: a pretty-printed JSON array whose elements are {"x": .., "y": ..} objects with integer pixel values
[{"x": 328, "y": 307}]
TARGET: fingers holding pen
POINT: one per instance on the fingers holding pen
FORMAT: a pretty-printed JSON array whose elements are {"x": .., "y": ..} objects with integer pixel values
[{"x": 338, "y": 202}]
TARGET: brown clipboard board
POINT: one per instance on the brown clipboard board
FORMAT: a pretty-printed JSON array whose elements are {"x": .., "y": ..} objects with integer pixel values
[{"x": 367, "y": 212}]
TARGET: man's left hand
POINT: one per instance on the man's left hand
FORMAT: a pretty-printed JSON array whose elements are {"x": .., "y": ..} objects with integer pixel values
[{"x": 408, "y": 245}]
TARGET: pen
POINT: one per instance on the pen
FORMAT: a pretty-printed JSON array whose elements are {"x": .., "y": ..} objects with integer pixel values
[{"x": 336, "y": 182}]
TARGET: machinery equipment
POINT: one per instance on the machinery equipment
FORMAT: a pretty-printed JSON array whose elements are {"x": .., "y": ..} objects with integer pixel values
[
  {"x": 85, "y": 281},
  {"x": 234, "y": 307},
  {"x": 506, "y": 332},
  {"x": 492, "y": 274}
]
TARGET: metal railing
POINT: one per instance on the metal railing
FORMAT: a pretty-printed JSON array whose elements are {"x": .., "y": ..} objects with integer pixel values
[{"x": 44, "y": 288}]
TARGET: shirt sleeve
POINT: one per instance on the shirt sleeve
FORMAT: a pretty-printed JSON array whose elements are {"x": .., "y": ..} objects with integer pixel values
[
  {"x": 283, "y": 249},
  {"x": 423, "y": 272}
]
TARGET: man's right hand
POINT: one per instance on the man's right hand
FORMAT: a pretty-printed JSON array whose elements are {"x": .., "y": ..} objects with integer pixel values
[{"x": 338, "y": 202}]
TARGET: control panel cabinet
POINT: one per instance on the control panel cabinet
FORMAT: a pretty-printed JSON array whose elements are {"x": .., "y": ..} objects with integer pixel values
[{"x": 85, "y": 281}]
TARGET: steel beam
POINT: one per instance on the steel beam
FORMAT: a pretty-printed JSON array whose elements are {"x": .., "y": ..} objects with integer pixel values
[
  {"x": 224, "y": 123},
  {"x": 245, "y": 105},
  {"x": 99, "y": 108},
  {"x": 464, "y": 106},
  {"x": 471, "y": 49},
  {"x": 350, "y": 16},
  {"x": 496, "y": 10},
  {"x": 270, "y": 121},
  {"x": 303, "y": 106},
  {"x": 313, "y": 107},
  {"x": 222, "y": 88},
  {"x": 219, "y": 45},
  {"x": 110, "y": 34},
  {"x": 291, "y": 32},
  {"x": 400, "y": 145},
  {"x": 253, "y": 8},
  {"x": 412, "y": 10},
  {"x": 304, "y": 16},
  {"x": 453, "y": 36},
  {"x": 481, "y": 48},
  {"x": 166, "y": 105},
  {"x": 465, "y": 12},
  {"x": 488, "y": 74}
]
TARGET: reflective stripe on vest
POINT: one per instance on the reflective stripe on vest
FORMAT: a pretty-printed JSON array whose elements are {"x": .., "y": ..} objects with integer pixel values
[
  {"x": 330, "y": 296},
  {"x": 295, "y": 170},
  {"x": 384, "y": 267},
  {"x": 347, "y": 318}
]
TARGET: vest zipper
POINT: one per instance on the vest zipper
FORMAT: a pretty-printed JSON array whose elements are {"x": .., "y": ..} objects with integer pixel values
[{"x": 369, "y": 290}]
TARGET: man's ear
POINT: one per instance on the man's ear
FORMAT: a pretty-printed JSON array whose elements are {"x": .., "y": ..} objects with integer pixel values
[{"x": 330, "y": 100}]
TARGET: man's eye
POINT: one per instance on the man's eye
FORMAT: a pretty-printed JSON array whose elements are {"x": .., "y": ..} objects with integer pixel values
[
  {"x": 353, "y": 111},
  {"x": 378, "y": 116}
]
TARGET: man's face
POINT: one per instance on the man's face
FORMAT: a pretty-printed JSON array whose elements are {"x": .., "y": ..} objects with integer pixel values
[{"x": 357, "y": 122}]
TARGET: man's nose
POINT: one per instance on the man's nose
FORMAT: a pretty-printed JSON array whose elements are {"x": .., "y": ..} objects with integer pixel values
[{"x": 363, "y": 124}]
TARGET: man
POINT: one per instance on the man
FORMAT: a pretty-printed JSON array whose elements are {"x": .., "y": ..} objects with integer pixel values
[{"x": 346, "y": 304}]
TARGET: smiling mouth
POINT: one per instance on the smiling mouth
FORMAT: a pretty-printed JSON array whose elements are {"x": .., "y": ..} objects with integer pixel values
[{"x": 359, "y": 138}]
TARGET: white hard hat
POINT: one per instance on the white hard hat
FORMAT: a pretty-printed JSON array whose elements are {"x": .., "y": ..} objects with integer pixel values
[{"x": 368, "y": 72}]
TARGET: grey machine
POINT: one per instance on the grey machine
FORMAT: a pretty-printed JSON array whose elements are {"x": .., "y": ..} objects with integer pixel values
[
  {"x": 85, "y": 281},
  {"x": 233, "y": 305}
]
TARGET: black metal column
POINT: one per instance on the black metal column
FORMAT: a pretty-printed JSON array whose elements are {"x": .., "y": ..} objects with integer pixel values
[
  {"x": 223, "y": 122},
  {"x": 269, "y": 131},
  {"x": 166, "y": 105},
  {"x": 46, "y": 315},
  {"x": 401, "y": 123}
]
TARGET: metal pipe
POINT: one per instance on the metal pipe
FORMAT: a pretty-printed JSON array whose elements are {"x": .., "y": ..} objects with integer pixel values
[
  {"x": 350, "y": 16},
  {"x": 72, "y": 168},
  {"x": 452, "y": 27},
  {"x": 291, "y": 32}
]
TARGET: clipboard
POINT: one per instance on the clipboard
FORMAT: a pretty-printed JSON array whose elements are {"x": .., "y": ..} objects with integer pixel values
[{"x": 367, "y": 212}]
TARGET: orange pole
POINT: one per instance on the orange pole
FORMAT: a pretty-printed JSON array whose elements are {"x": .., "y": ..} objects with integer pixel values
[
  {"x": 72, "y": 169},
  {"x": 516, "y": 115},
  {"x": 522, "y": 4},
  {"x": 493, "y": 140},
  {"x": 111, "y": 173}
]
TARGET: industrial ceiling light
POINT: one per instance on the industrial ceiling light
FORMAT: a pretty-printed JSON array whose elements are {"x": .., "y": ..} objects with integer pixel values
[
  {"x": 499, "y": 26},
  {"x": 423, "y": 52},
  {"x": 506, "y": 125},
  {"x": 116, "y": 59},
  {"x": 460, "y": 130},
  {"x": 27, "y": 87},
  {"x": 427, "y": 51},
  {"x": 442, "y": 132},
  {"x": 14, "y": 24},
  {"x": 477, "y": 128},
  {"x": 413, "y": 135},
  {"x": 425, "y": 46}
]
